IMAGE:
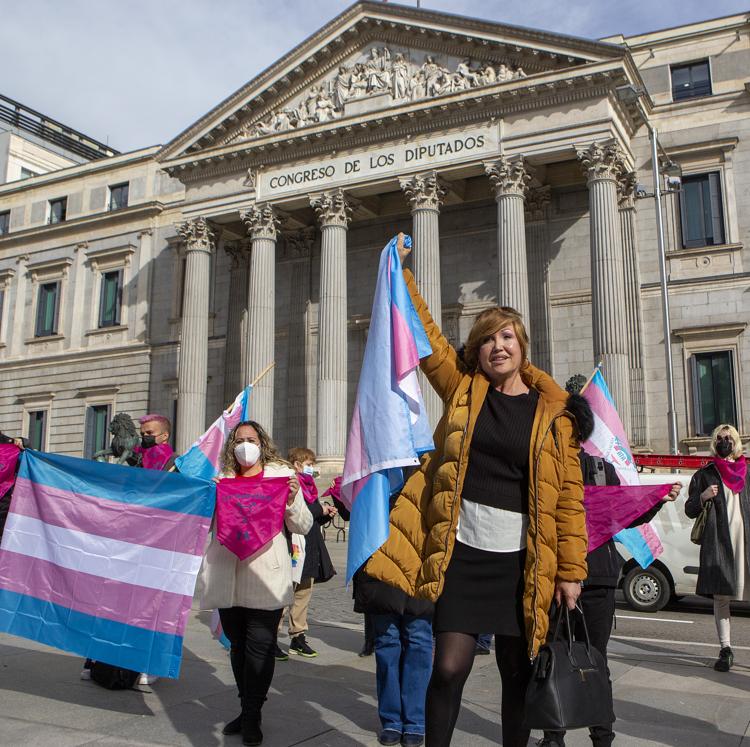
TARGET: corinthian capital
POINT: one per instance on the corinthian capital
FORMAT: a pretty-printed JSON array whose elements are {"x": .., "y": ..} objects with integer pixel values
[
  {"x": 602, "y": 161},
  {"x": 332, "y": 208},
  {"x": 626, "y": 189},
  {"x": 509, "y": 176},
  {"x": 237, "y": 251},
  {"x": 261, "y": 221},
  {"x": 424, "y": 191},
  {"x": 196, "y": 235},
  {"x": 537, "y": 201}
]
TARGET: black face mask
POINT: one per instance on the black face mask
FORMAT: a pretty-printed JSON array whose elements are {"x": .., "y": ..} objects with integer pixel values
[
  {"x": 724, "y": 447},
  {"x": 148, "y": 441}
]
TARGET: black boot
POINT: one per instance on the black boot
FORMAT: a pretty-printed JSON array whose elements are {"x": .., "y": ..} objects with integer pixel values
[
  {"x": 725, "y": 660},
  {"x": 251, "y": 718},
  {"x": 233, "y": 727}
]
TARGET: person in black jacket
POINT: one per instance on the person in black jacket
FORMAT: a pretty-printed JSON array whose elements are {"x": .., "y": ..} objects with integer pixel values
[
  {"x": 597, "y": 599},
  {"x": 402, "y": 628}
]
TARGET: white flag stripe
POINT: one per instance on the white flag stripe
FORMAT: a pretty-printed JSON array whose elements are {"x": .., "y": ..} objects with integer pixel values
[
  {"x": 101, "y": 556},
  {"x": 606, "y": 442}
]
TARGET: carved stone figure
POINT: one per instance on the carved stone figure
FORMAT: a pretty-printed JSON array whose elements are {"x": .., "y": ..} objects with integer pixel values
[
  {"x": 418, "y": 85},
  {"x": 341, "y": 87},
  {"x": 469, "y": 78},
  {"x": 311, "y": 104},
  {"x": 324, "y": 108},
  {"x": 358, "y": 85},
  {"x": 489, "y": 76},
  {"x": 401, "y": 78},
  {"x": 378, "y": 70}
]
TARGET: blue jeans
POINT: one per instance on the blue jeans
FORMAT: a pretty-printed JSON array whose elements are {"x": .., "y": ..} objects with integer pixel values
[{"x": 403, "y": 664}]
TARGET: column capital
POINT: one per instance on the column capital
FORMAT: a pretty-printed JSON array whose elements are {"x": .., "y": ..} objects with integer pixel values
[
  {"x": 237, "y": 251},
  {"x": 509, "y": 176},
  {"x": 261, "y": 220},
  {"x": 333, "y": 208},
  {"x": 197, "y": 235},
  {"x": 537, "y": 202},
  {"x": 298, "y": 244},
  {"x": 626, "y": 184},
  {"x": 602, "y": 160},
  {"x": 424, "y": 191}
]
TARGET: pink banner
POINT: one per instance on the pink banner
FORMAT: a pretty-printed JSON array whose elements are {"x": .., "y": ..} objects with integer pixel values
[
  {"x": 250, "y": 512},
  {"x": 8, "y": 460},
  {"x": 612, "y": 508}
]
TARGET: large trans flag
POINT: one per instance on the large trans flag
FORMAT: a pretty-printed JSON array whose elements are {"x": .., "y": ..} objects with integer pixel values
[
  {"x": 202, "y": 458},
  {"x": 101, "y": 559},
  {"x": 609, "y": 442},
  {"x": 389, "y": 428}
]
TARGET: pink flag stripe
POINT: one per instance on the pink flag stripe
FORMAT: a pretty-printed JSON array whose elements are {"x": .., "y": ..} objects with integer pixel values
[
  {"x": 152, "y": 609},
  {"x": 405, "y": 353},
  {"x": 126, "y": 522},
  {"x": 652, "y": 539},
  {"x": 605, "y": 412}
]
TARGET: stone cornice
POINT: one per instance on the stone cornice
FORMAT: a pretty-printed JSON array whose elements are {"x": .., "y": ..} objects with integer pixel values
[
  {"x": 55, "y": 230},
  {"x": 419, "y": 24}
]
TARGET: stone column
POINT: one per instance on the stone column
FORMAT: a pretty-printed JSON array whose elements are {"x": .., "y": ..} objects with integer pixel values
[
  {"x": 425, "y": 193},
  {"x": 262, "y": 223},
  {"x": 333, "y": 211},
  {"x": 234, "y": 351},
  {"x": 509, "y": 178},
  {"x": 537, "y": 245},
  {"x": 603, "y": 164},
  {"x": 633, "y": 319},
  {"x": 193, "y": 369}
]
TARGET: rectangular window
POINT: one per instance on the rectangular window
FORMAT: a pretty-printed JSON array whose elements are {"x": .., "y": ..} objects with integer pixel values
[
  {"x": 118, "y": 196},
  {"x": 713, "y": 391},
  {"x": 37, "y": 429},
  {"x": 4, "y": 222},
  {"x": 47, "y": 310},
  {"x": 691, "y": 81},
  {"x": 58, "y": 210},
  {"x": 111, "y": 299},
  {"x": 701, "y": 210},
  {"x": 96, "y": 436}
]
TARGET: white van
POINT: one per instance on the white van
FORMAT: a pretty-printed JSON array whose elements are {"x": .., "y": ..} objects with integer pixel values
[{"x": 675, "y": 572}]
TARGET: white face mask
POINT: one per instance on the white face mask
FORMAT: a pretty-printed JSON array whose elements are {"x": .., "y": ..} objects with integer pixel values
[
  {"x": 308, "y": 469},
  {"x": 247, "y": 454}
]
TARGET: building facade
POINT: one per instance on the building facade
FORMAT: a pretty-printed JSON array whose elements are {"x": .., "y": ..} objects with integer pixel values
[{"x": 518, "y": 159}]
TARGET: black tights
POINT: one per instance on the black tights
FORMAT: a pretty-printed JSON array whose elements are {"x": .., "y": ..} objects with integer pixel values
[{"x": 454, "y": 658}]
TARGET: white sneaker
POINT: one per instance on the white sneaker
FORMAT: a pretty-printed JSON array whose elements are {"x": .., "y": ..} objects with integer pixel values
[{"x": 147, "y": 679}]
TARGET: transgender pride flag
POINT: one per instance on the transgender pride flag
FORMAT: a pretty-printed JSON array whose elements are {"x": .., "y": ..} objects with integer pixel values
[
  {"x": 609, "y": 442},
  {"x": 101, "y": 559},
  {"x": 389, "y": 428},
  {"x": 202, "y": 458}
]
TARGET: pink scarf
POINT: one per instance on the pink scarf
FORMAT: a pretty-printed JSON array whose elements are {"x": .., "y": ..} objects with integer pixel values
[
  {"x": 156, "y": 457},
  {"x": 733, "y": 474},
  {"x": 250, "y": 512},
  {"x": 335, "y": 490},
  {"x": 8, "y": 460},
  {"x": 308, "y": 486}
]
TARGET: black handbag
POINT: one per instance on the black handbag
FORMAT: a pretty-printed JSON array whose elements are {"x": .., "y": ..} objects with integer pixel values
[
  {"x": 569, "y": 686},
  {"x": 699, "y": 527}
]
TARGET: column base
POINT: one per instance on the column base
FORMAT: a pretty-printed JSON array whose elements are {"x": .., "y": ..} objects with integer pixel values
[{"x": 330, "y": 466}]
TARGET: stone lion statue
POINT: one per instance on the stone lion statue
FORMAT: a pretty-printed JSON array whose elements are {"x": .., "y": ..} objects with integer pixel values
[{"x": 125, "y": 437}]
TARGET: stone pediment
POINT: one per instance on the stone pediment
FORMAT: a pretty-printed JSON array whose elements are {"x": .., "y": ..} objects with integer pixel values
[{"x": 376, "y": 56}]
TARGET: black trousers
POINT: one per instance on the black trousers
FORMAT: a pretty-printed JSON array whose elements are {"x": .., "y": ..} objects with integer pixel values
[
  {"x": 598, "y": 604},
  {"x": 252, "y": 635}
]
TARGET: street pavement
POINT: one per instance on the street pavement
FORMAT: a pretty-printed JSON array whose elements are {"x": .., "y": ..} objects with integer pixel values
[{"x": 666, "y": 692}]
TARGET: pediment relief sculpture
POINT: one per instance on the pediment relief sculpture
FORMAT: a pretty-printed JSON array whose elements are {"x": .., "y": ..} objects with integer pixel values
[{"x": 392, "y": 75}]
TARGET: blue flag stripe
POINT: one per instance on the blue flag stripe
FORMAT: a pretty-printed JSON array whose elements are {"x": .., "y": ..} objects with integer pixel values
[
  {"x": 168, "y": 491},
  {"x": 92, "y": 637}
]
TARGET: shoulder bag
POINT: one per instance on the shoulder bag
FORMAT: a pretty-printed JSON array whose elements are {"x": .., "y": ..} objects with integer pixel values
[
  {"x": 699, "y": 526},
  {"x": 569, "y": 686}
]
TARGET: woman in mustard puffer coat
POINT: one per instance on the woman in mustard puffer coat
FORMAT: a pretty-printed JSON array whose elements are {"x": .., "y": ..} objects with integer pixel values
[{"x": 491, "y": 528}]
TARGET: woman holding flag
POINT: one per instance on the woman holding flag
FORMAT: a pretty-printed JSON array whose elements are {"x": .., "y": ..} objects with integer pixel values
[
  {"x": 247, "y": 572},
  {"x": 491, "y": 527}
]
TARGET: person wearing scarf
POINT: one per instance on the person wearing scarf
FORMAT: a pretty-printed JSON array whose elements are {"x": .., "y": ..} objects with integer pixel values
[
  {"x": 251, "y": 592},
  {"x": 724, "y": 572},
  {"x": 154, "y": 451},
  {"x": 317, "y": 567}
]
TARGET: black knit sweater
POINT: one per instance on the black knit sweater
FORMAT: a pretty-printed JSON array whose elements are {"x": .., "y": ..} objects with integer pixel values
[{"x": 498, "y": 471}]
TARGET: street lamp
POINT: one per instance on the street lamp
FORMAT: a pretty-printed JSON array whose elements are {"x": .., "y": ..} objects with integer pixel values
[{"x": 631, "y": 94}]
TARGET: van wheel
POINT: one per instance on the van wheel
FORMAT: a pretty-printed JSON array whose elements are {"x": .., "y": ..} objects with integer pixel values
[{"x": 646, "y": 590}]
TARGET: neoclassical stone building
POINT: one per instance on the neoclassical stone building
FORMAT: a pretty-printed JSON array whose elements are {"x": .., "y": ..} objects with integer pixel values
[{"x": 519, "y": 160}]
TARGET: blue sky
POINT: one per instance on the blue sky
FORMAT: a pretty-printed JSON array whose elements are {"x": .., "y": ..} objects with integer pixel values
[{"x": 137, "y": 72}]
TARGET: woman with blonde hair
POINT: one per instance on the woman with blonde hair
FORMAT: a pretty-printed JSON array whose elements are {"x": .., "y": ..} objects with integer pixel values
[
  {"x": 491, "y": 527},
  {"x": 724, "y": 572},
  {"x": 250, "y": 594}
]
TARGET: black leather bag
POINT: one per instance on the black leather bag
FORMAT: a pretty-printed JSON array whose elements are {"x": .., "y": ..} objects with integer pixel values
[
  {"x": 569, "y": 686},
  {"x": 699, "y": 527}
]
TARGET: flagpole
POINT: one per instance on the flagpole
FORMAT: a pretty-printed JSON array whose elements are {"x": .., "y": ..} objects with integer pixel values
[
  {"x": 590, "y": 378},
  {"x": 263, "y": 373}
]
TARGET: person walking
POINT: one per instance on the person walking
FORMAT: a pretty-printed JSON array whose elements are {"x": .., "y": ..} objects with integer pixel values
[
  {"x": 491, "y": 527},
  {"x": 724, "y": 571},
  {"x": 250, "y": 594},
  {"x": 317, "y": 567},
  {"x": 604, "y": 565}
]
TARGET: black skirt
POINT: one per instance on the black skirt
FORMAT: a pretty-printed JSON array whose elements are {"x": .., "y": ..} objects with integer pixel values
[{"x": 483, "y": 593}]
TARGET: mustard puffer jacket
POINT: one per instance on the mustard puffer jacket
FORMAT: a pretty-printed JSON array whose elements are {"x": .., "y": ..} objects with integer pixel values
[{"x": 423, "y": 521}]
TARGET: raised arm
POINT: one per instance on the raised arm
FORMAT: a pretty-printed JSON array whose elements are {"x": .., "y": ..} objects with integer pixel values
[{"x": 443, "y": 368}]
